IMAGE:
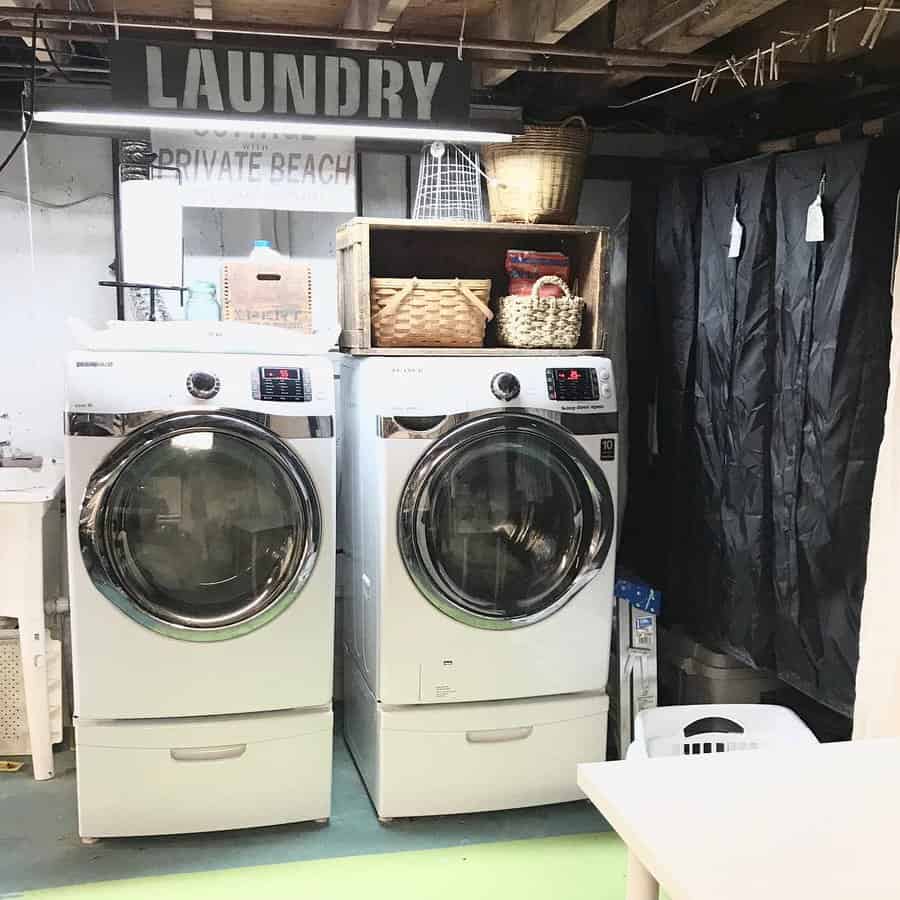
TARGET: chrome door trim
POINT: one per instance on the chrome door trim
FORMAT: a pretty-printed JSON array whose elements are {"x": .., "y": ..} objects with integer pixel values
[
  {"x": 409, "y": 517},
  {"x": 88, "y": 424},
  {"x": 575, "y": 423},
  {"x": 277, "y": 596}
]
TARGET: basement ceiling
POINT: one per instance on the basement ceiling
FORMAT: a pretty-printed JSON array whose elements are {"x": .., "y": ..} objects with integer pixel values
[{"x": 578, "y": 72}]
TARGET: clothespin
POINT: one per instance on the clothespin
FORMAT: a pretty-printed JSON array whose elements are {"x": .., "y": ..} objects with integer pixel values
[
  {"x": 732, "y": 64},
  {"x": 698, "y": 86},
  {"x": 116, "y": 19},
  {"x": 876, "y": 26},
  {"x": 759, "y": 73},
  {"x": 774, "y": 68},
  {"x": 462, "y": 31},
  {"x": 831, "y": 45}
]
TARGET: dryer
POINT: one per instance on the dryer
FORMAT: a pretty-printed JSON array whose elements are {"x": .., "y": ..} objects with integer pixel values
[
  {"x": 201, "y": 566},
  {"x": 480, "y": 495}
]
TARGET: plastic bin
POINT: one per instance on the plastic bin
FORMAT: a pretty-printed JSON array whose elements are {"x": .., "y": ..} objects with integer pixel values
[
  {"x": 716, "y": 728},
  {"x": 690, "y": 673}
]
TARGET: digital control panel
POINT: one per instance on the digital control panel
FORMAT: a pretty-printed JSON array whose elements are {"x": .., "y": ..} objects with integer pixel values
[
  {"x": 286, "y": 384},
  {"x": 573, "y": 385}
]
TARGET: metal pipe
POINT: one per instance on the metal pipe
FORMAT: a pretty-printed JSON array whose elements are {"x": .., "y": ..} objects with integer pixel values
[
  {"x": 564, "y": 68},
  {"x": 531, "y": 48},
  {"x": 50, "y": 68}
]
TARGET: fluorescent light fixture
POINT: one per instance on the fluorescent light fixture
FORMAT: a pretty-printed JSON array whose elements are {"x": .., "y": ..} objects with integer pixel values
[{"x": 314, "y": 128}]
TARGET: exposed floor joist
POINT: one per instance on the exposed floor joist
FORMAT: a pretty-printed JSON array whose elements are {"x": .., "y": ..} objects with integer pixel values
[
  {"x": 543, "y": 21},
  {"x": 638, "y": 20},
  {"x": 372, "y": 15}
]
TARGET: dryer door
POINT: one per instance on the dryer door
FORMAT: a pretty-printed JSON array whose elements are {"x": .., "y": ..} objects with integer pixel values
[
  {"x": 504, "y": 520},
  {"x": 201, "y": 526}
]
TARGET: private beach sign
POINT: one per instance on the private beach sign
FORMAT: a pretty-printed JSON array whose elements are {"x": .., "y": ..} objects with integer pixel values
[{"x": 205, "y": 79}]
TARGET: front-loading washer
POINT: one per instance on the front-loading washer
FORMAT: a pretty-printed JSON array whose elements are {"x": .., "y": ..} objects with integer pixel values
[
  {"x": 201, "y": 503},
  {"x": 480, "y": 499}
]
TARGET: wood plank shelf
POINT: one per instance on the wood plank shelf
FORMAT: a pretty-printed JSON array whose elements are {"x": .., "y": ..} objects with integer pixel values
[{"x": 404, "y": 248}]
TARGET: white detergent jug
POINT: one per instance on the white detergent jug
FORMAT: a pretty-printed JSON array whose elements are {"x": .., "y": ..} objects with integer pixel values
[{"x": 263, "y": 252}]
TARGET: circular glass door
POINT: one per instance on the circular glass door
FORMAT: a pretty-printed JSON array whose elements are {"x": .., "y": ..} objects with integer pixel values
[
  {"x": 201, "y": 526},
  {"x": 504, "y": 520}
]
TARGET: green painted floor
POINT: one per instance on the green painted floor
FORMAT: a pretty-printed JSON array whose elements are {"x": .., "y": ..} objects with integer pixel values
[
  {"x": 39, "y": 845},
  {"x": 581, "y": 867}
]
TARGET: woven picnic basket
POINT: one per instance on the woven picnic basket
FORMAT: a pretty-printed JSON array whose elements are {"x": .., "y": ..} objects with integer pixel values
[
  {"x": 540, "y": 322},
  {"x": 537, "y": 177},
  {"x": 430, "y": 312}
]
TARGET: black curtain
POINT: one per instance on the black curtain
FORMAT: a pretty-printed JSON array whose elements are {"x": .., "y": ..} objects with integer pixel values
[
  {"x": 676, "y": 292},
  {"x": 733, "y": 389},
  {"x": 833, "y": 324}
]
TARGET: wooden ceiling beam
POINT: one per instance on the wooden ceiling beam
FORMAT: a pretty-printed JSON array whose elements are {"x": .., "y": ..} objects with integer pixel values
[
  {"x": 372, "y": 15},
  {"x": 681, "y": 26},
  {"x": 691, "y": 26},
  {"x": 541, "y": 21}
]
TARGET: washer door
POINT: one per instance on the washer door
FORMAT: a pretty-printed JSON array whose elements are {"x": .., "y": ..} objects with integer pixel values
[
  {"x": 201, "y": 526},
  {"x": 504, "y": 520}
]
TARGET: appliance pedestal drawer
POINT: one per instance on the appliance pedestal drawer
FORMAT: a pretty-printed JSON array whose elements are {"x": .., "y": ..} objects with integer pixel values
[
  {"x": 469, "y": 757},
  {"x": 170, "y": 776}
]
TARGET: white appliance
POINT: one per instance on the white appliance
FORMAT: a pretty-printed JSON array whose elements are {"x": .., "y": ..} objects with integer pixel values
[
  {"x": 480, "y": 495},
  {"x": 201, "y": 565}
]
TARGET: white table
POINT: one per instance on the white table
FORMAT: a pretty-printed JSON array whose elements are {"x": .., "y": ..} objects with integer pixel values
[
  {"x": 816, "y": 823},
  {"x": 29, "y": 531}
]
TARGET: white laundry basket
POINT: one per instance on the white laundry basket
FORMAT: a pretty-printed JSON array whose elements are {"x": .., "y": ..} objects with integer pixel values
[
  {"x": 716, "y": 728},
  {"x": 14, "y": 736}
]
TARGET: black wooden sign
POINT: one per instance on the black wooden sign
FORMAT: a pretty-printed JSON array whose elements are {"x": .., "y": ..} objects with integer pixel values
[{"x": 210, "y": 79}]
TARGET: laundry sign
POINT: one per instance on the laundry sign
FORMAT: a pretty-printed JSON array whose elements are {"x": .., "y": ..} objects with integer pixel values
[
  {"x": 336, "y": 85},
  {"x": 241, "y": 170}
]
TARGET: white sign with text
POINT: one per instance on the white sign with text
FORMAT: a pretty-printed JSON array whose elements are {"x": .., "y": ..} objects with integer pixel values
[{"x": 239, "y": 170}]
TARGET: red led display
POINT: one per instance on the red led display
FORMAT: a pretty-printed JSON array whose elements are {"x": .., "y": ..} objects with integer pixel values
[{"x": 281, "y": 374}]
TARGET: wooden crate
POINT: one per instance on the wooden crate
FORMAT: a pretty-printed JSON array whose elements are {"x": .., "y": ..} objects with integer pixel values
[{"x": 403, "y": 248}]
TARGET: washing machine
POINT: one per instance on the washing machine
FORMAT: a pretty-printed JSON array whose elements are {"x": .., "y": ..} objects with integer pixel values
[
  {"x": 201, "y": 505},
  {"x": 480, "y": 498}
]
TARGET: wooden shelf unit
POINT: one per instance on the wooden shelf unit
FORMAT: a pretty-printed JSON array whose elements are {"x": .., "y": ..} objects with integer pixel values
[{"x": 403, "y": 248}]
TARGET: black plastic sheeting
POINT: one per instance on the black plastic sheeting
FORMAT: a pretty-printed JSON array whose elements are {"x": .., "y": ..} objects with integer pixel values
[
  {"x": 833, "y": 327},
  {"x": 677, "y": 289},
  {"x": 733, "y": 390},
  {"x": 771, "y": 404}
]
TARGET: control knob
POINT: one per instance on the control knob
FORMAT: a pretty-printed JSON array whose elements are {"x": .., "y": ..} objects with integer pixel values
[
  {"x": 505, "y": 386},
  {"x": 203, "y": 385}
]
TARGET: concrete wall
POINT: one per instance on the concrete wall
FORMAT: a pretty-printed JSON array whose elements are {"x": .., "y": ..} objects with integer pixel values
[{"x": 73, "y": 248}]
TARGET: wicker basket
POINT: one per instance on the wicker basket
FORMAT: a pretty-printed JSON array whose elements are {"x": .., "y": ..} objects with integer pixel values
[
  {"x": 535, "y": 321},
  {"x": 430, "y": 312},
  {"x": 537, "y": 178}
]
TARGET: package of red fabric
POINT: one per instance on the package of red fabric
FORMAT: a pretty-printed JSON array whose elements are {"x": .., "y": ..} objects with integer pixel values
[{"x": 526, "y": 266}]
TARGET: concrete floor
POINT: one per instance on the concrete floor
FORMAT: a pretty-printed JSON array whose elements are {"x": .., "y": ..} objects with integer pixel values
[{"x": 39, "y": 844}]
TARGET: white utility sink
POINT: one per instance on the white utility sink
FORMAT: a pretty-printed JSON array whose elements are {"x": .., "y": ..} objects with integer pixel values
[{"x": 23, "y": 485}]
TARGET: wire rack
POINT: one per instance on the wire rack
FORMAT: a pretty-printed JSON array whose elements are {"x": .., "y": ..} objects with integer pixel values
[{"x": 449, "y": 184}]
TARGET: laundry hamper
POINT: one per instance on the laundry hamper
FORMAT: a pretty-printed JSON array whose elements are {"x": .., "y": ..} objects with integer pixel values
[
  {"x": 15, "y": 739},
  {"x": 716, "y": 728},
  {"x": 540, "y": 322},
  {"x": 430, "y": 312},
  {"x": 536, "y": 178}
]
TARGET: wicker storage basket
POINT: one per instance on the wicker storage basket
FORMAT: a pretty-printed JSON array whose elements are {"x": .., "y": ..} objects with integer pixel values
[
  {"x": 430, "y": 312},
  {"x": 535, "y": 321},
  {"x": 537, "y": 178}
]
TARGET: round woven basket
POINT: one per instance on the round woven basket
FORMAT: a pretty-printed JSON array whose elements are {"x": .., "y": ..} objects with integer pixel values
[
  {"x": 540, "y": 322},
  {"x": 537, "y": 177}
]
